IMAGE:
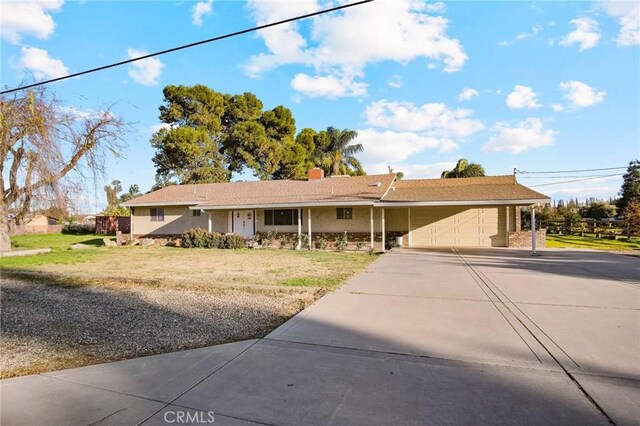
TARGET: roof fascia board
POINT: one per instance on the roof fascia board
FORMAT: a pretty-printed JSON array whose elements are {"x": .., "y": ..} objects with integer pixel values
[
  {"x": 461, "y": 203},
  {"x": 160, "y": 204},
  {"x": 282, "y": 205}
]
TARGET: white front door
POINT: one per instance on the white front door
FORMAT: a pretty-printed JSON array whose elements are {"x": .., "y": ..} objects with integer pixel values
[{"x": 243, "y": 222}]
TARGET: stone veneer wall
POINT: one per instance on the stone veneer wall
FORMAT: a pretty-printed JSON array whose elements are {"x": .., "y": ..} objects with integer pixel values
[{"x": 522, "y": 239}]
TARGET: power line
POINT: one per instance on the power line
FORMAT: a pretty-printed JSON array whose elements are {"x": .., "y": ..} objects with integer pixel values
[
  {"x": 186, "y": 46},
  {"x": 576, "y": 180},
  {"x": 570, "y": 171},
  {"x": 561, "y": 177}
]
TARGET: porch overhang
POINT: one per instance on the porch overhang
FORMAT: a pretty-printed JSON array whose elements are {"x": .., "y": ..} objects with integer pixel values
[
  {"x": 527, "y": 202},
  {"x": 283, "y": 205}
]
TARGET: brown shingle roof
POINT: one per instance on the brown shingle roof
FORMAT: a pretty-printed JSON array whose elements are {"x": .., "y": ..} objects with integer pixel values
[
  {"x": 341, "y": 189},
  {"x": 332, "y": 189},
  {"x": 488, "y": 188}
]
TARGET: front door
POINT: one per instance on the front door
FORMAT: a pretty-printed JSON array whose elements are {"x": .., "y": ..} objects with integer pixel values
[{"x": 243, "y": 223}]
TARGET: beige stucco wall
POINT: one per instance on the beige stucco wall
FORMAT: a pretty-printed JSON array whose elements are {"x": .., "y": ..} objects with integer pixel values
[
  {"x": 324, "y": 219},
  {"x": 177, "y": 219}
]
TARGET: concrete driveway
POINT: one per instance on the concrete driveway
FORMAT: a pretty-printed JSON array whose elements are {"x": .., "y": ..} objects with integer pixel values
[{"x": 462, "y": 336}]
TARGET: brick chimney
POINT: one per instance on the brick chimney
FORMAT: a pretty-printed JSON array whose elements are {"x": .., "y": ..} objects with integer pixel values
[{"x": 315, "y": 174}]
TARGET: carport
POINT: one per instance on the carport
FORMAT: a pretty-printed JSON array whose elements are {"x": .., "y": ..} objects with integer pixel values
[{"x": 471, "y": 212}]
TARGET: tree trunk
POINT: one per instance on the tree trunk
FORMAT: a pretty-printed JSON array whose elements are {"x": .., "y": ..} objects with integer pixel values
[{"x": 5, "y": 241}]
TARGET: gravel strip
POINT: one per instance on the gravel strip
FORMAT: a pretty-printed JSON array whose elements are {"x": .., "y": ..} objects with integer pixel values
[{"x": 46, "y": 327}]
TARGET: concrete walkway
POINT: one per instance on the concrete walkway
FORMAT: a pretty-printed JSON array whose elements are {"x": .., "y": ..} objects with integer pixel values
[{"x": 422, "y": 337}]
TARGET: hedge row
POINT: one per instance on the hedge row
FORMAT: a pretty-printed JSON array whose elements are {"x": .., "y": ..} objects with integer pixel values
[{"x": 199, "y": 238}]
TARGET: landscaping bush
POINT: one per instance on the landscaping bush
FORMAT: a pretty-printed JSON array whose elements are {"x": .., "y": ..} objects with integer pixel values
[
  {"x": 285, "y": 240},
  {"x": 78, "y": 229},
  {"x": 193, "y": 238},
  {"x": 359, "y": 245},
  {"x": 305, "y": 241},
  {"x": 234, "y": 241},
  {"x": 214, "y": 240},
  {"x": 341, "y": 242},
  {"x": 321, "y": 242}
]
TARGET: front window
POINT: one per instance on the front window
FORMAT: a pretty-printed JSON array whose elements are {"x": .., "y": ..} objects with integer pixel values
[
  {"x": 345, "y": 213},
  {"x": 281, "y": 217},
  {"x": 197, "y": 212},
  {"x": 157, "y": 215}
]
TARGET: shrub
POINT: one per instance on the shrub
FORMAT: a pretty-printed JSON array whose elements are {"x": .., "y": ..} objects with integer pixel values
[
  {"x": 268, "y": 238},
  {"x": 359, "y": 245},
  {"x": 214, "y": 240},
  {"x": 284, "y": 240},
  {"x": 234, "y": 241},
  {"x": 390, "y": 242},
  {"x": 321, "y": 242},
  {"x": 78, "y": 229},
  {"x": 341, "y": 242},
  {"x": 193, "y": 238},
  {"x": 305, "y": 241}
]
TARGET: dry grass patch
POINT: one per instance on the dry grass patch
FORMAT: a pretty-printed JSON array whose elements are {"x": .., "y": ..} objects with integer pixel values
[{"x": 74, "y": 308}]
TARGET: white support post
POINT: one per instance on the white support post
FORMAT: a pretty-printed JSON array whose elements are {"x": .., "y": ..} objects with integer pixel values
[
  {"x": 410, "y": 242},
  {"x": 371, "y": 227},
  {"x": 383, "y": 236},
  {"x": 299, "y": 229},
  {"x": 309, "y": 226},
  {"x": 533, "y": 230},
  {"x": 506, "y": 225},
  {"x": 210, "y": 223}
]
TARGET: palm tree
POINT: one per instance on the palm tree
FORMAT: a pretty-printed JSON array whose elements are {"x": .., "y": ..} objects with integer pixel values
[
  {"x": 464, "y": 169},
  {"x": 338, "y": 156}
]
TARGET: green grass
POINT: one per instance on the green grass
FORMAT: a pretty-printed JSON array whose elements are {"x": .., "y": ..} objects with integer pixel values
[
  {"x": 60, "y": 254},
  {"x": 56, "y": 242},
  {"x": 590, "y": 241}
]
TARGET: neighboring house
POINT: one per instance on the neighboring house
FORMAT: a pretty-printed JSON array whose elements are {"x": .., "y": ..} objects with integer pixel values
[
  {"x": 479, "y": 212},
  {"x": 36, "y": 224}
]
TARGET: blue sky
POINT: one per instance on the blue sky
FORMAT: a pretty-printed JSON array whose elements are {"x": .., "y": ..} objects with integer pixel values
[{"x": 540, "y": 86}]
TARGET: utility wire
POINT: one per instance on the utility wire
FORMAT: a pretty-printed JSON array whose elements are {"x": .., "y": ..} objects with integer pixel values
[
  {"x": 186, "y": 46},
  {"x": 561, "y": 177},
  {"x": 570, "y": 171},
  {"x": 576, "y": 180}
]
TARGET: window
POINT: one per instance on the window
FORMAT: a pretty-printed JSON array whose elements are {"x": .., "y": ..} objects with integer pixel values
[
  {"x": 345, "y": 213},
  {"x": 281, "y": 217},
  {"x": 197, "y": 212},
  {"x": 157, "y": 215}
]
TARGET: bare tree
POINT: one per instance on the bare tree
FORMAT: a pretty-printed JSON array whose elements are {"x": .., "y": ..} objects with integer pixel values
[{"x": 42, "y": 143}]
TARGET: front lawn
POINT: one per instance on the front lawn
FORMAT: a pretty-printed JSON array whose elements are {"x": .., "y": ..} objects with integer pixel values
[
  {"x": 590, "y": 241},
  {"x": 70, "y": 308}
]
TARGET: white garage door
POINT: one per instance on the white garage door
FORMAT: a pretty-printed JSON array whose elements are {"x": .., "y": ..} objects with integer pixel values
[{"x": 458, "y": 226}]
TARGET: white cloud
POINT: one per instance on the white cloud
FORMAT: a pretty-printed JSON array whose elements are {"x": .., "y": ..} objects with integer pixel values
[
  {"x": 146, "y": 71},
  {"x": 385, "y": 147},
  {"x": 434, "y": 119},
  {"x": 396, "y": 81},
  {"x": 586, "y": 34},
  {"x": 522, "y": 97},
  {"x": 27, "y": 18},
  {"x": 394, "y": 30},
  {"x": 527, "y": 134},
  {"x": 156, "y": 127},
  {"x": 412, "y": 171},
  {"x": 522, "y": 36},
  {"x": 329, "y": 86},
  {"x": 201, "y": 9},
  {"x": 557, "y": 107},
  {"x": 40, "y": 64},
  {"x": 628, "y": 15},
  {"x": 467, "y": 93},
  {"x": 580, "y": 94}
]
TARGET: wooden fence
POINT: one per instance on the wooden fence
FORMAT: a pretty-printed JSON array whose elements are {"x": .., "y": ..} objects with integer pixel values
[{"x": 109, "y": 225}]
